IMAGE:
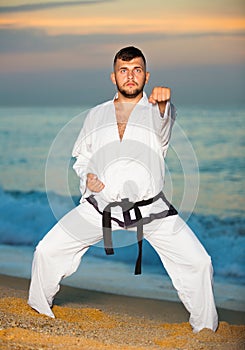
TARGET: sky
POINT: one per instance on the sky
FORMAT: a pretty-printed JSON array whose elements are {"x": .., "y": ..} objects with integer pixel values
[{"x": 60, "y": 52}]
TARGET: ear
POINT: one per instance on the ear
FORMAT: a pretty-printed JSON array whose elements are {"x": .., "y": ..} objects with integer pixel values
[
  {"x": 113, "y": 79},
  {"x": 147, "y": 77}
]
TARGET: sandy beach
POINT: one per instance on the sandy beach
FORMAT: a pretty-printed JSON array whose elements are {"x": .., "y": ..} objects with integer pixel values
[{"x": 94, "y": 320}]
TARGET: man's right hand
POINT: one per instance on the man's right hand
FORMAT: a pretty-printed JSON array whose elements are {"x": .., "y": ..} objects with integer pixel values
[{"x": 93, "y": 183}]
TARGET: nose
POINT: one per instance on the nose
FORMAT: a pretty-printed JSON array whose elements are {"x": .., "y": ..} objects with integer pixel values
[{"x": 130, "y": 74}]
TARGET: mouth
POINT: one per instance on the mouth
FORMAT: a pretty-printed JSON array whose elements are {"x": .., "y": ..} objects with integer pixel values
[{"x": 130, "y": 84}]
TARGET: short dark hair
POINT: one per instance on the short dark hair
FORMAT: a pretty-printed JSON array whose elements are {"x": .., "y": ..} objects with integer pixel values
[{"x": 129, "y": 53}]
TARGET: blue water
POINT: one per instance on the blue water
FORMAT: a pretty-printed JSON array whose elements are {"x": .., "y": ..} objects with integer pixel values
[{"x": 212, "y": 183}]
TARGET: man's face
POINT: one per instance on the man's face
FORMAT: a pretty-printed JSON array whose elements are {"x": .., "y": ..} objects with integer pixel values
[{"x": 130, "y": 77}]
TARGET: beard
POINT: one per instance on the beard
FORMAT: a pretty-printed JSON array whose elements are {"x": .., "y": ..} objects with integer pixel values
[{"x": 131, "y": 93}]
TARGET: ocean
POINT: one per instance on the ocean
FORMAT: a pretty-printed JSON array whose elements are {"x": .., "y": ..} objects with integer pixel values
[{"x": 205, "y": 180}]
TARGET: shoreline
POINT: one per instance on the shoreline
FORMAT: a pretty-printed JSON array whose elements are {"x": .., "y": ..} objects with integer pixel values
[
  {"x": 92, "y": 320},
  {"x": 96, "y": 274},
  {"x": 139, "y": 306}
]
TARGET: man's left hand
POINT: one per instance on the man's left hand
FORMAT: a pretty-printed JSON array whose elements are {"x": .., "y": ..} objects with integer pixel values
[{"x": 160, "y": 95}]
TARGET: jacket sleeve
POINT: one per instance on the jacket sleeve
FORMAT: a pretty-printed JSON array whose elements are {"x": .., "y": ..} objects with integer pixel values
[
  {"x": 82, "y": 151},
  {"x": 167, "y": 123}
]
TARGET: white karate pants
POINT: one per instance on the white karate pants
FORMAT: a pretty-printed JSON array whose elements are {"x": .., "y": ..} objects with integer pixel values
[{"x": 59, "y": 254}]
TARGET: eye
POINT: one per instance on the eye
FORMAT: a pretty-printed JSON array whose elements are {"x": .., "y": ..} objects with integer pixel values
[
  {"x": 123, "y": 71},
  {"x": 138, "y": 70}
]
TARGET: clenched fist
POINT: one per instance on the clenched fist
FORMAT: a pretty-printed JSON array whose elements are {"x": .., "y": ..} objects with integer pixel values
[
  {"x": 93, "y": 183},
  {"x": 160, "y": 95}
]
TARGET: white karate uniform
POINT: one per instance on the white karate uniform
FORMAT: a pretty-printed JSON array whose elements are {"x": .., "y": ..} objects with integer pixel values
[{"x": 130, "y": 168}]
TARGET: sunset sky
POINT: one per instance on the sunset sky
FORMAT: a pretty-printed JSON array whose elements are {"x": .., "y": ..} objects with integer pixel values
[{"x": 60, "y": 52}]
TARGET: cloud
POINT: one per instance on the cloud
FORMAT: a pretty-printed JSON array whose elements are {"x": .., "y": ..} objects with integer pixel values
[
  {"x": 48, "y": 5},
  {"x": 14, "y": 40}
]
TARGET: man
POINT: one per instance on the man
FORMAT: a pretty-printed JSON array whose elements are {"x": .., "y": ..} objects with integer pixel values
[{"x": 120, "y": 161}]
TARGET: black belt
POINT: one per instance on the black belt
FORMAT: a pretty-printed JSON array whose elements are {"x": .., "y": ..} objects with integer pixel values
[{"x": 127, "y": 206}]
